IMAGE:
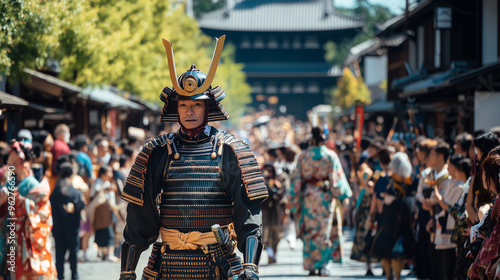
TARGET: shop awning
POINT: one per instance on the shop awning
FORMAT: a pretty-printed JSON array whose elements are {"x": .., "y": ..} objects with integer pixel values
[
  {"x": 46, "y": 109},
  {"x": 9, "y": 100},
  {"x": 50, "y": 84},
  {"x": 380, "y": 106},
  {"x": 371, "y": 46},
  {"x": 418, "y": 84},
  {"x": 51, "y": 113},
  {"x": 105, "y": 95}
]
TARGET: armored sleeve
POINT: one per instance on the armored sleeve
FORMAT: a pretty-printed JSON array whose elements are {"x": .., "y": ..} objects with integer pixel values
[
  {"x": 246, "y": 197},
  {"x": 143, "y": 222}
]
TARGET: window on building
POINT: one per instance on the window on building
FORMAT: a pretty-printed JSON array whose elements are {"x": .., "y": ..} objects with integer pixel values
[
  {"x": 285, "y": 88},
  {"x": 245, "y": 43},
  {"x": 311, "y": 42},
  {"x": 445, "y": 47},
  {"x": 420, "y": 46},
  {"x": 93, "y": 117},
  {"x": 296, "y": 43},
  {"x": 442, "y": 24},
  {"x": 298, "y": 88},
  {"x": 257, "y": 88},
  {"x": 313, "y": 88},
  {"x": 285, "y": 44},
  {"x": 271, "y": 88},
  {"x": 258, "y": 43},
  {"x": 272, "y": 43},
  {"x": 429, "y": 45}
]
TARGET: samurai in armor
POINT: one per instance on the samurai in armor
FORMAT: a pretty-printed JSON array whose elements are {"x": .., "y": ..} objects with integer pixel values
[{"x": 199, "y": 189}]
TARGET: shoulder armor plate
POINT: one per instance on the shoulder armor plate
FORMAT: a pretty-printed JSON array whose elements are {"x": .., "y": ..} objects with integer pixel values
[
  {"x": 250, "y": 172},
  {"x": 134, "y": 186}
]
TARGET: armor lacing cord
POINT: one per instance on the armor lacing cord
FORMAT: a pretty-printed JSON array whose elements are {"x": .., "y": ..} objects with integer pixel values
[
  {"x": 176, "y": 155},
  {"x": 169, "y": 146},
  {"x": 213, "y": 154},
  {"x": 221, "y": 144},
  {"x": 255, "y": 267}
]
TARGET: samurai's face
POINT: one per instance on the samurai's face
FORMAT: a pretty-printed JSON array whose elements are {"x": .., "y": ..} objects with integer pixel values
[{"x": 191, "y": 113}]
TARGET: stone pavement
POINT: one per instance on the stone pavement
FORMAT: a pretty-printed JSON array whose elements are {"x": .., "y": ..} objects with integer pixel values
[{"x": 288, "y": 266}]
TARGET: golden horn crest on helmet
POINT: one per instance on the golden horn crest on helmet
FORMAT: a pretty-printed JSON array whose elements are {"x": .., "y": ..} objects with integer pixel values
[{"x": 219, "y": 44}]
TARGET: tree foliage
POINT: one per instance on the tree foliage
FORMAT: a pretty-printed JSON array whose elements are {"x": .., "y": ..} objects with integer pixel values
[
  {"x": 29, "y": 31},
  {"x": 201, "y": 7},
  {"x": 119, "y": 43},
  {"x": 374, "y": 14},
  {"x": 349, "y": 89}
]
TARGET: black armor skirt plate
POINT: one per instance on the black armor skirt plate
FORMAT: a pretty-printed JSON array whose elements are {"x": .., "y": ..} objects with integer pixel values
[{"x": 180, "y": 265}]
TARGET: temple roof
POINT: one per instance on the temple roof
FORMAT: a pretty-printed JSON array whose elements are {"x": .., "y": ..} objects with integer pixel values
[{"x": 279, "y": 15}]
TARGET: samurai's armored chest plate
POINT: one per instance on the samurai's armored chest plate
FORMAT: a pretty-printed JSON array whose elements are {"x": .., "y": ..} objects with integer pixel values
[{"x": 194, "y": 197}]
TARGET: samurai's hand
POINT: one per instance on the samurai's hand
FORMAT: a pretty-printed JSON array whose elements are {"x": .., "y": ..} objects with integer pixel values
[
  {"x": 249, "y": 272},
  {"x": 128, "y": 276},
  {"x": 253, "y": 247},
  {"x": 224, "y": 239},
  {"x": 129, "y": 257}
]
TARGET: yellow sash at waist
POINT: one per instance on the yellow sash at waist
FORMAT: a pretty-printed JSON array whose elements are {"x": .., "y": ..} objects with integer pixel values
[{"x": 193, "y": 240}]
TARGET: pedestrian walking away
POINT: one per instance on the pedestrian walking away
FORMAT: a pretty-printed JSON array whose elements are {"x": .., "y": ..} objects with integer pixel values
[{"x": 318, "y": 188}]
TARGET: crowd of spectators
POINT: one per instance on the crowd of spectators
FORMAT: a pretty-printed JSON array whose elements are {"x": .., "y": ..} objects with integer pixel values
[{"x": 424, "y": 204}]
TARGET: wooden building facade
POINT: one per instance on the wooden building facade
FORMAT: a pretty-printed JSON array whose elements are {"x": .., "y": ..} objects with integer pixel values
[
  {"x": 43, "y": 101},
  {"x": 447, "y": 68}
]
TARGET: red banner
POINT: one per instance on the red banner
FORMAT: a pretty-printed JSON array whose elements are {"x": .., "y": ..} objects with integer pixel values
[{"x": 359, "y": 111}]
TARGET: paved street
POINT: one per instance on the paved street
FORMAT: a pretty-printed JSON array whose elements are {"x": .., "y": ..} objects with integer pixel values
[{"x": 289, "y": 266}]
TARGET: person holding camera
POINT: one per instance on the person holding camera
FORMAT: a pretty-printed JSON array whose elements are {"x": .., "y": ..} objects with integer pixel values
[{"x": 438, "y": 198}]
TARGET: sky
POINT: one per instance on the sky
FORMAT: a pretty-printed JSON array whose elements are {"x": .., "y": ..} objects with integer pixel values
[{"x": 396, "y": 6}]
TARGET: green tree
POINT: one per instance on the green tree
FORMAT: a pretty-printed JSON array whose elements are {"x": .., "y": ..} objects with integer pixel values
[
  {"x": 29, "y": 32},
  {"x": 374, "y": 14},
  {"x": 104, "y": 42},
  {"x": 349, "y": 89},
  {"x": 201, "y": 7}
]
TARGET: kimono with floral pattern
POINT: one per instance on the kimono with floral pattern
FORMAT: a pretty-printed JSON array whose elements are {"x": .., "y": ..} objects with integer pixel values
[
  {"x": 33, "y": 226},
  {"x": 318, "y": 187},
  {"x": 487, "y": 263}
]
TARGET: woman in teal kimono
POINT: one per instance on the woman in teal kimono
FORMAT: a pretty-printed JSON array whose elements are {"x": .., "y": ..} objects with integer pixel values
[{"x": 319, "y": 186}]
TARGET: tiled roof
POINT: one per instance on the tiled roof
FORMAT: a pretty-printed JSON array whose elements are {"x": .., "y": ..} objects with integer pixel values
[{"x": 279, "y": 15}]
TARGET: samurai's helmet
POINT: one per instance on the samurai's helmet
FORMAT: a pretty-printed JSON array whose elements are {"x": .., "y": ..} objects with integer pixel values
[{"x": 193, "y": 84}]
